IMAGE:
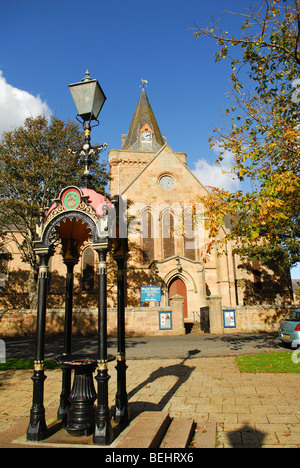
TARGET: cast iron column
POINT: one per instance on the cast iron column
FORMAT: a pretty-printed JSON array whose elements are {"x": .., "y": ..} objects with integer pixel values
[
  {"x": 66, "y": 372},
  {"x": 121, "y": 409},
  {"x": 103, "y": 429},
  {"x": 37, "y": 426}
]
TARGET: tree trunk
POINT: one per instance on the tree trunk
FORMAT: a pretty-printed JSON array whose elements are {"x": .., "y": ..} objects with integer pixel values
[{"x": 32, "y": 288}]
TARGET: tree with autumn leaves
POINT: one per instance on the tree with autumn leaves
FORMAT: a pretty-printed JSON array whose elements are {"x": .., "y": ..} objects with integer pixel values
[
  {"x": 37, "y": 160},
  {"x": 263, "y": 131}
]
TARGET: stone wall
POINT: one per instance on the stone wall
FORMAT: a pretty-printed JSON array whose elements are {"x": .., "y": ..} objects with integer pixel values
[
  {"x": 248, "y": 319},
  {"x": 139, "y": 321},
  {"x": 143, "y": 321},
  {"x": 260, "y": 318}
]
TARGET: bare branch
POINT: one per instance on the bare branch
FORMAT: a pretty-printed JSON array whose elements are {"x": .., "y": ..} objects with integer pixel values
[{"x": 297, "y": 41}]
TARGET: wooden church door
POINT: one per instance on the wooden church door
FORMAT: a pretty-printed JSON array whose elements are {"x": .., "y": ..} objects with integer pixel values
[{"x": 177, "y": 286}]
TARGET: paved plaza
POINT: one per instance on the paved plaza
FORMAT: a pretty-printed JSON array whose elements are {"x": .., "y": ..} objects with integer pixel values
[{"x": 251, "y": 410}]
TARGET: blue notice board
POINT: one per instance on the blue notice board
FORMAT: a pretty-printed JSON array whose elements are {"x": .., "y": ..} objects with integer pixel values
[{"x": 150, "y": 293}]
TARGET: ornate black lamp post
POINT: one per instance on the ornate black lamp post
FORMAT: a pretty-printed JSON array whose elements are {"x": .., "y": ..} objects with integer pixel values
[
  {"x": 89, "y": 99},
  {"x": 80, "y": 214}
]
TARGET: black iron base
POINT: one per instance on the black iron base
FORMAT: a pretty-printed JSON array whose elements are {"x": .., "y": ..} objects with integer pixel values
[
  {"x": 80, "y": 413},
  {"x": 103, "y": 434},
  {"x": 62, "y": 412},
  {"x": 121, "y": 414},
  {"x": 37, "y": 428}
]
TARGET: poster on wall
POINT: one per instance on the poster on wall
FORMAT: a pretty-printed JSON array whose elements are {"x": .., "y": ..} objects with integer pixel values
[
  {"x": 229, "y": 318},
  {"x": 165, "y": 320}
]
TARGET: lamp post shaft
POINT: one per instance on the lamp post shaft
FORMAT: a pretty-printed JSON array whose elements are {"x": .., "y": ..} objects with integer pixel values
[
  {"x": 121, "y": 408},
  {"x": 103, "y": 429},
  {"x": 37, "y": 425},
  {"x": 66, "y": 373}
]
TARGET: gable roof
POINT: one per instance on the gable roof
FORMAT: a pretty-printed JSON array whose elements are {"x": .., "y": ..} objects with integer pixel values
[
  {"x": 143, "y": 115},
  {"x": 165, "y": 147}
]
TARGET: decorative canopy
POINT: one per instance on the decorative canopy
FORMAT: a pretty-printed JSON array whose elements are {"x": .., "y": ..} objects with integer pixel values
[{"x": 75, "y": 217}]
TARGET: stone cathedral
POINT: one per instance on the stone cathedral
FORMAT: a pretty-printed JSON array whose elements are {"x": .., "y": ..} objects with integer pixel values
[{"x": 166, "y": 231}]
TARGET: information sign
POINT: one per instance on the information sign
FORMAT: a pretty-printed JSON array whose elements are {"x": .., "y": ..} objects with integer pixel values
[{"x": 150, "y": 293}]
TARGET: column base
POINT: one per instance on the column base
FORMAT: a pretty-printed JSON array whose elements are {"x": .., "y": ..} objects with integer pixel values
[
  {"x": 37, "y": 431},
  {"x": 103, "y": 435},
  {"x": 121, "y": 415},
  {"x": 37, "y": 428},
  {"x": 62, "y": 414}
]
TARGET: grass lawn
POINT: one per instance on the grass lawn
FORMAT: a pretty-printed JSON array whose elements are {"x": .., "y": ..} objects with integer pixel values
[
  {"x": 279, "y": 362},
  {"x": 15, "y": 364}
]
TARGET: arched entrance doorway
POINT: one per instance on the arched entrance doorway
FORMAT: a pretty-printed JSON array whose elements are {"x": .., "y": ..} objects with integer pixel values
[{"x": 177, "y": 286}]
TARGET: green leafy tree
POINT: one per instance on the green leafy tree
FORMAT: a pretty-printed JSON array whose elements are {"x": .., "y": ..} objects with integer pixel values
[
  {"x": 263, "y": 126},
  {"x": 36, "y": 162}
]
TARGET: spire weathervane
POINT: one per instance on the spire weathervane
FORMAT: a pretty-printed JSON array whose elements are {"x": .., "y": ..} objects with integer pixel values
[{"x": 144, "y": 82}]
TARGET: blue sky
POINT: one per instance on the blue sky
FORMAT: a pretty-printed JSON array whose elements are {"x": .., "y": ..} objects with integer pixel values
[{"x": 47, "y": 45}]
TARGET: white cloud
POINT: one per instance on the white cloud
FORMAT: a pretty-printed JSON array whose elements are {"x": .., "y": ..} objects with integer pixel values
[
  {"x": 217, "y": 175},
  {"x": 296, "y": 93},
  {"x": 16, "y": 105}
]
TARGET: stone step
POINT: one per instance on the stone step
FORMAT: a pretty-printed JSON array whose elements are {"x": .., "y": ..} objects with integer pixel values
[
  {"x": 155, "y": 429},
  {"x": 205, "y": 435},
  {"x": 192, "y": 328},
  {"x": 179, "y": 433},
  {"x": 146, "y": 431}
]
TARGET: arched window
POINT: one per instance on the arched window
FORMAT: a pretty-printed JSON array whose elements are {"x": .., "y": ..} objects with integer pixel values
[
  {"x": 189, "y": 238},
  {"x": 147, "y": 234},
  {"x": 168, "y": 234},
  {"x": 88, "y": 272}
]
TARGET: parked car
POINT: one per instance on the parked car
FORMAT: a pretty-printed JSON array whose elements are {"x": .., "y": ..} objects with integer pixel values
[{"x": 289, "y": 331}]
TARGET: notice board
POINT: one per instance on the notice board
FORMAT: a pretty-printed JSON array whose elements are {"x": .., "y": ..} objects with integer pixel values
[{"x": 229, "y": 318}]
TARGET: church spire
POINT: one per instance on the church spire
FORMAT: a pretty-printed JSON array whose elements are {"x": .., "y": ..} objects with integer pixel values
[{"x": 144, "y": 133}]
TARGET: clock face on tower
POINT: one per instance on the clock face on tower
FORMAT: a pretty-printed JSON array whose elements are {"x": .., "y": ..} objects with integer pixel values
[{"x": 147, "y": 136}]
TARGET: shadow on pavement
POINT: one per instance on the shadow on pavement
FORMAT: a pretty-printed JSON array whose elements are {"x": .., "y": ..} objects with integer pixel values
[
  {"x": 246, "y": 437},
  {"x": 181, "y": 371},
  {"x": 256, "y": 340}
]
